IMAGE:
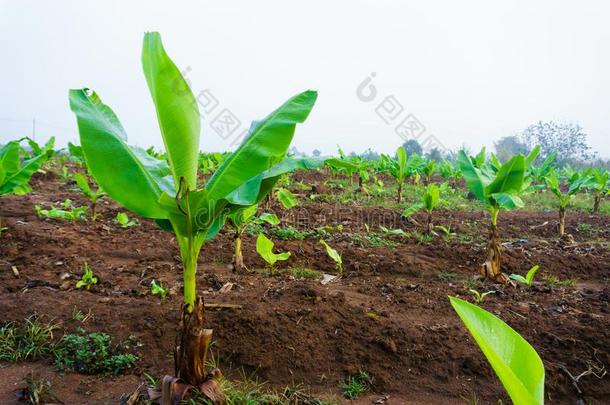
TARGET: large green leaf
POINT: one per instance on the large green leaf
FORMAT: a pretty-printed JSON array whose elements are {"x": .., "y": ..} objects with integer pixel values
[
  {"x": 509, "y": 178},
  {"x": 401, "y": 159},
  {"x": 472, "y": 176},
  {"x": 9, "y": 157},
  {"x": 17, "y": 182},
  {"x": 431, "y": 197},
  {"x": 507, "y": 201},
  {"x": 177, "y": 110},
  {"x": 115, "y": 167},
  {"x": 515, "y": 362},
  {"x": 264, "y": 147}
]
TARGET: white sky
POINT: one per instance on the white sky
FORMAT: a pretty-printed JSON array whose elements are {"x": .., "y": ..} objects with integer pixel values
[{"x": 470, "y": 71}]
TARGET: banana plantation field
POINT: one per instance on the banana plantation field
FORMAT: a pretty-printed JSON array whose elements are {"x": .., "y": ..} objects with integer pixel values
[{"x": 260, "y": 276}]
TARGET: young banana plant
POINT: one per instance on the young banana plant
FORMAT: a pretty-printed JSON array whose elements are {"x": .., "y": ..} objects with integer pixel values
[
  {"x": 93, "y": 195},
  {"x": 599, "y": 183},
  {"x": 17, "y": 167},
  {"x": 430, "y": 201},
  {"x": 574, "y": 183},
  {"x": 167, "y": 191},
  {"x": 399, "y": 170},
  {"x": 428, "y": 171},
  {"x": 499, "y": 190}
]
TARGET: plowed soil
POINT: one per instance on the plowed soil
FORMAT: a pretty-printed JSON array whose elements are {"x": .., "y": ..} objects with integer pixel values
[{"x": 388, "y": 315}]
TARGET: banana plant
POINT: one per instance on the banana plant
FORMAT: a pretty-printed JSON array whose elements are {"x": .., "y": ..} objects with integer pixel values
[
  {"x": 167, "y": 191},
  {"x": 16, "y": 169},
  {"x": 238, "y": 221},
  {"x": 574, "y": 183},
  {"x": 399, "y": 170},
  {"x": 537, "y": 175},
  {"x": 350, "y": 167},
  {"x": 428, "y": 170},
  {"x": 499, "y": 191},
  {"x": 93, "y": 195},
  {"x": 528, "y": 280},
  {"x": 430, "y": 201},
  {"x": 512, "y": 358},
  {"x": 599, "y": 183}
]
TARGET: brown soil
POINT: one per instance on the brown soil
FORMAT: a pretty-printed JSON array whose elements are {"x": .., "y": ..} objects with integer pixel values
[{"x": 388, "y": 315}]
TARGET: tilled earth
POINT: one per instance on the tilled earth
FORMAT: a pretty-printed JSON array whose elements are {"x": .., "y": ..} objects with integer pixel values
[{"x": 388, "y": 315}]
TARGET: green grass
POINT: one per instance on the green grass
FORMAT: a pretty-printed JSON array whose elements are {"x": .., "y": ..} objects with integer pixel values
[
  {"x": 253, "y": 392},
  {"x": 31, "y": 340},
  {"x": 302, "y": 272},
  {"x": 356, "y": 385},
  {"x": 553, "y": 281}
]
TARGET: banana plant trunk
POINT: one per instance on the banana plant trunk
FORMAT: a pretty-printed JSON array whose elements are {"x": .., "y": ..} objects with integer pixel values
[
  {"x": 492, "y": 266},
  {"x": 596, "y": 204},
  {"x": 399, "y": 198},
  {"x": 562, "y": 221},
  {"x": 192, "y": 343},
  {"x": 93, "y": 211},
  {"x": 429, "y": 225},
  {"x": 238, "y": 257},
  {"x": 360, "y": 183}
]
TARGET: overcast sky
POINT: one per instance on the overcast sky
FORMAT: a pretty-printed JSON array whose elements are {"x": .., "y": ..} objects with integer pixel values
[{"x": 469, "y": 72}]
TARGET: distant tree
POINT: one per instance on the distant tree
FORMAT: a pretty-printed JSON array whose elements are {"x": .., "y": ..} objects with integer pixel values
[
  {"x": 369, "y": 154},
  {"x": 510, "y": 146},
  {"x": 412, "y": 147},
  {"x": 568, "y": 140},
  {"x": 435, "y": 154},
  {"x": 316, "y": 153}
]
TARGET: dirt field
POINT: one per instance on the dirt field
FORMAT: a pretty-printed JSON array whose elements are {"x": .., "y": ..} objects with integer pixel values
[{"x": 389, "y": 315}]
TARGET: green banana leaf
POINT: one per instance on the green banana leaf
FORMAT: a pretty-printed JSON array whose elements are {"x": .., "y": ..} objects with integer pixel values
[
  {"x": 113, "y": 164},
  {"x": 177, "y": 110},
  {"x": 472, "y": 176},
  {"x": 515, "y": 362},
  {"x": 264, "y": 247},
  {"x": 264, "y": 147}
]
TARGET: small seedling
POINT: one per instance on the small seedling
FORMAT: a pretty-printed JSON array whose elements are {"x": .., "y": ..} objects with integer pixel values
[
  {"x": 87, "y": 279},
  {"x": 159, "y": 289},
  {"x": 264, "y": 247},
  {"x": 478, "y": 297},
  {"x": 333, "y": 254},
  {"x": 66, "y": 212},
  {"x": 529, "y": 277},
  {"x": 123, "y": 220}
]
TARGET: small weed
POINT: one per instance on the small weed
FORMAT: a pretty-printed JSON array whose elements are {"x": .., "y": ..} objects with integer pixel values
[
  {"x": 471, "y": 283},
  {"x": 446, "y": 276},
  {"x": 356, "y": 385},
  {"x": 302, "y": 272},
  {"x": 31, "y": 340},
  {"x": 373, "y": 240},
  {"x": 373, "y": 315},
  {"x": 553, "y": 281},
  {"x": 78, "y": 315},
  {"x": 91, "y": 354},
  {"x": 37, "y": 391},
  {"x": 584, "y": 227}
]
